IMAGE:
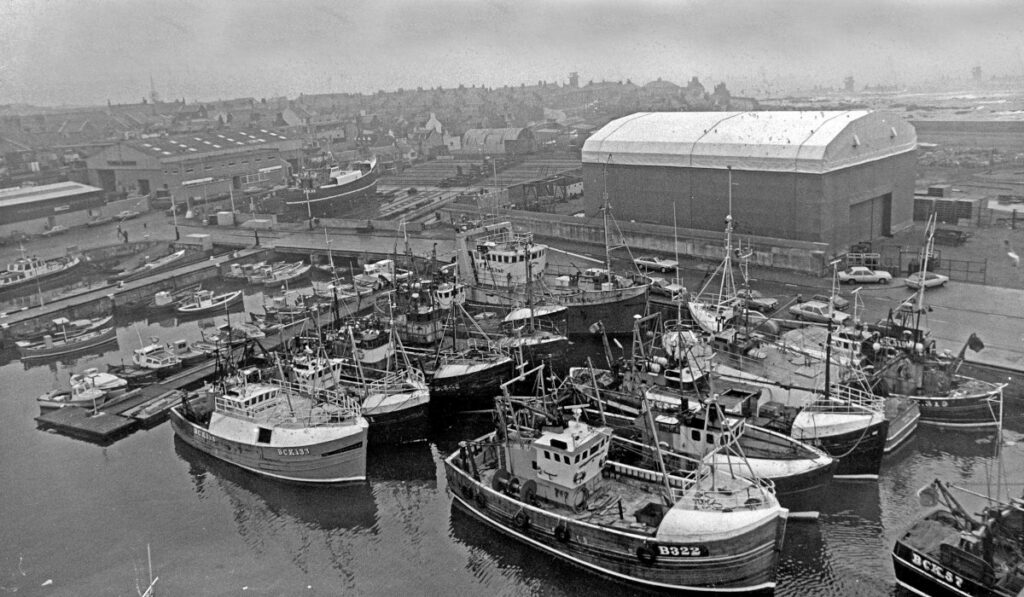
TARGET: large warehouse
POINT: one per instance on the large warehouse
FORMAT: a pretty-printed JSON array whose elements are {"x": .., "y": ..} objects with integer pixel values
[
  {"x": 838, "y": 178},
  {"x": 35, "y": 209}
]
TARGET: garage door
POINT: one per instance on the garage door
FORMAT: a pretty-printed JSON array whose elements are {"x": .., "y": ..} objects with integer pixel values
[{"x": 870, "y": 219}]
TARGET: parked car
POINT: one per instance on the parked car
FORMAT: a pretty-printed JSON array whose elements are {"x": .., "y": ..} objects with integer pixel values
[
  {"x": 650, "y": 262},
  {"x": 837, "y": 301},
  {"x": 753, "y": 299},
  {"x": 127, "y": 214},
  {"x": 930, "y": 280},
  {"x": 58, "y": 229},
  {"x": 863, "y": 275},
  {"x": 818, "y": 312}
]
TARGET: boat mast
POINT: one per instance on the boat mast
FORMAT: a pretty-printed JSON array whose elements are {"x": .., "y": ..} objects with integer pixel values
[
  {"x": 727, "y": 263},
  {"x": 928, "y": 246},
  {"x": 604, "y": 211}
]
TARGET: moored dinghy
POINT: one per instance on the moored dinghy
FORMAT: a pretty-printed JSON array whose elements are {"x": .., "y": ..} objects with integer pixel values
[{"x": 549, "y": 484}]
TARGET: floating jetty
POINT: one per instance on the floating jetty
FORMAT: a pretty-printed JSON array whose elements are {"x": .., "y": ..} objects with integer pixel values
[{"x": 148, "y": 406}]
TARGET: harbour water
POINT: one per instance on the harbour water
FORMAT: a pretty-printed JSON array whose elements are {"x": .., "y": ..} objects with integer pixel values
[{"x": 77, "y": 517}]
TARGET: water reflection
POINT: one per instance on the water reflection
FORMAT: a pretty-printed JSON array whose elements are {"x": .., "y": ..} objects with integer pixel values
[{"x": 263, "y": 506}]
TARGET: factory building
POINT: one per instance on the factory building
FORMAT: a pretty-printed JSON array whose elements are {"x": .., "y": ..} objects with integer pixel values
[
  {"x": 839, "y": 178},
  {"x": 35, "y": 209},
  {"x": 195, "y": 166}
]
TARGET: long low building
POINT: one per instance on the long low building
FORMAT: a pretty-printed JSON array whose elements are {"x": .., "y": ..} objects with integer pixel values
[
  {"x": 35, "y": 209},
  {"x": 837, "y": 178}
]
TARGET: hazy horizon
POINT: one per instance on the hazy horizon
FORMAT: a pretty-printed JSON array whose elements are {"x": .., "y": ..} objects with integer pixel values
[{"x": 90, "y": 51}]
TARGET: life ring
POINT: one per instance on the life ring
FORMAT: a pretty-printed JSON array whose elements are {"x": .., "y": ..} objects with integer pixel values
[
  {"x": 521, "y": 520},
  {"x": 646, "y": 554},
  {"x": 480, "y": 498},
  {"x": 562, "y": 532},
  {"x": 579, "y": 477}
]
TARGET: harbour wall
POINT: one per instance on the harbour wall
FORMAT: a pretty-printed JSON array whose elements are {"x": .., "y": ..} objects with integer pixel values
[{"x": 799, "y": 256}]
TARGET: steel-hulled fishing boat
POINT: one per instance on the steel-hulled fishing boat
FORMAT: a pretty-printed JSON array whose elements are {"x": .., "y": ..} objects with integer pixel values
[
  {"x": 951, "y": 552},
  {"x": 495, "y": 262},
  {"x": 272, "y": 428},
  {"x": 325, "y": 192},
  {"x": 551, "y": 485}
]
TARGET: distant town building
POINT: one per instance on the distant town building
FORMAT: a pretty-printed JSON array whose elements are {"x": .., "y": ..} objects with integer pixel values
[
  {"x": 829, "y": 177},
  {"x": 508, "y": 141}
]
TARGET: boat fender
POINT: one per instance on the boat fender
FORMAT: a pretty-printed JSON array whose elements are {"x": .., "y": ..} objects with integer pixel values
[
  {"x": 904, "y": 372},
  {"x": 646, "y": 553},
  {"x": 521, "y": 520},
  {"x": 562, "y": 532},
  {"x": 480, "y": 498}
]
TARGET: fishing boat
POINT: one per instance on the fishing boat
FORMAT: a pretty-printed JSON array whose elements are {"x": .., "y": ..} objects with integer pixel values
[
  {"x": 421, "y": 309},
  {"x": 157, "y": 357},
  {"x": 113, "y": 385},
  {"x": 62, "y": 327},
  {"x": 287, "y": 275},
  {"x": 467, "y": 379},
  {"x": 954, "y": 552},
  {"x": 696, "y": 428},
  {"x": 714, "y": 305},
  {"x": 327, "y": 192},
  {"x": 33, "y": 269},
  {"x": 272, "y": 428},
  {"x": 242, "y": 271},
  {"x": 136, "y": 376},
  {"x": 76, "y": 395},
  {"x": 169, "y": 299},
  {"x": 189, "y": 353},
  {"x": 381, "y": 274},
  {"x": 550, "y": 484},
  {"x": 395, "y": 403},
  {"x": 204, "y": 302},
  {"x": 492, "y": 260},
  {"x": 906, "y": 358},
  {"x": 64, "y": 343},
  {"x": 157, "y": 265}
]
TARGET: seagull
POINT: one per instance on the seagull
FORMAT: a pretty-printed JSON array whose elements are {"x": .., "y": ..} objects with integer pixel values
[{"x": 1012, "y": 254}]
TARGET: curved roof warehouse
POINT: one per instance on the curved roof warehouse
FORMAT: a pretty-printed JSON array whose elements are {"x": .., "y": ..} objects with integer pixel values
[{"x": 835, "y": 177}]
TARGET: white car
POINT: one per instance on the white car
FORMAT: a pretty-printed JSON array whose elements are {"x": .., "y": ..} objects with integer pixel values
[
  {"x": 127, "y": 214},
  {"x": 863, "y": 275},
  {"x": 650, "y": 262},
  {"x": 931, "y": 280},
  {"x": 58, "y": 229}
]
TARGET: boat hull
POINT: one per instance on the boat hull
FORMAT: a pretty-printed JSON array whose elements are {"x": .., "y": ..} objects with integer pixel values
[
  {"x": 330, "y": 201},
  {"x": 339, "y": 460},
  {"x": 613, "y": 309},
  {"x": 59, "y": 348},
  {"x": 217, "y": 307},
  {"x": 922, "y": 575},
  {"x": 979, "y": 411},
  {"x": 406, "y": 423},
  {"x": 859, "y": 451},
  {"x": 473, "y": 390},
  {"x": 746, "y": 570}
]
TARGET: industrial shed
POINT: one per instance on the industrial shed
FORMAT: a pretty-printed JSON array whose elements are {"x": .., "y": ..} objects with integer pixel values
[
  {"x": 837, "y": 177},
  {"x": 509, "y": 141}
]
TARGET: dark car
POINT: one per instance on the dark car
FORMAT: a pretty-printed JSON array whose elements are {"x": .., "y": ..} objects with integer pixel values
[
  {"x": 837, "y": 301},
  {"x": 753, "y": 299}
]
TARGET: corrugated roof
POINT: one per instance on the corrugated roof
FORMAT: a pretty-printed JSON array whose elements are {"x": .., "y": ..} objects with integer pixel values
[
  {"x": 491, "y": 137},
  {"x": 809, "y": 142},
  {"x": 59, "y": 190},
  {"x": 205, "y": 141}
]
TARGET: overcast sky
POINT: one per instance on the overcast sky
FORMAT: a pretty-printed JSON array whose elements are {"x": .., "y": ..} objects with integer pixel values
[{"x": 88, "y": 51}]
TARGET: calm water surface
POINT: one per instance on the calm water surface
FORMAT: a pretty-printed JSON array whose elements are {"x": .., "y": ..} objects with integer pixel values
[{"x": 76, "y": 517}]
